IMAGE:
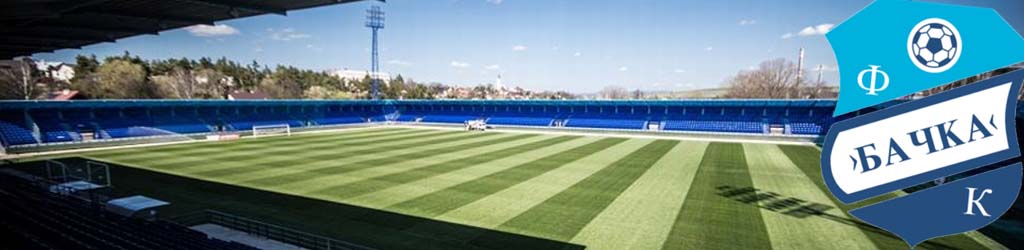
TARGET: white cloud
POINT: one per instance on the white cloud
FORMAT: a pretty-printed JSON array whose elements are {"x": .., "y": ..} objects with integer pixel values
[
  {"x": 623, "y": 68},
  {"x": 459, "y": 64},
  {"x": 787, "y": 36},
  {"x": 577, "y": 54},
  {"x": 496, "y": 2},
  {"x": 519, "y": 48},
  {"x": 399, "y": 62},
  {"x": 286, "y": 34},
  {"x": 314, "y": 48},
  {"x": 746, "y": 22},
  {"x": 493, "y": 67},
  {"x": 709, "y": 48},
  {"x": 678, "y": 71},
  {"x": 203, "y": 30},
  {"x": 817, "y": 30}
]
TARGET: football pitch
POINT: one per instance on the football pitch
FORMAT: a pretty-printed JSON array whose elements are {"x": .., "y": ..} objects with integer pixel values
[{"x": 391, "y": 187}]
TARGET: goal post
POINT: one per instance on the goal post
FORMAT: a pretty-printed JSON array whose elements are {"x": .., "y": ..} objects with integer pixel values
[
  {"x": 277, "y": 129},
  {"x": 92, "y": 171}
]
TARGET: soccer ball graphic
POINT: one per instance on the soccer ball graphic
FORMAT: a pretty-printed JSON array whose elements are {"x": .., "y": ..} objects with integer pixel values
[{"x": 935, "y": 45}]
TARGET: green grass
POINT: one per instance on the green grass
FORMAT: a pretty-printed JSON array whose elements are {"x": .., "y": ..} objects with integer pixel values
[
  {"x": 565, "y": 214},
  {"x": 439, "y": 202},
  {"x": 710, "y": 221},
  {"x": 808, "y": 158},
  {"x": 358, "y": 188},
  {"x": 401, "y": 188}
]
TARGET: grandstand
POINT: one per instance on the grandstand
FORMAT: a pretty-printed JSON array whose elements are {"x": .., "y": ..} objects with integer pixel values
[
  {"x": 37, "y": 219},
  {"x": 33, "y": 123}
]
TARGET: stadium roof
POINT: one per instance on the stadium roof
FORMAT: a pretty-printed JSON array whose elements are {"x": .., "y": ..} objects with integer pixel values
[{"x": 38, "y": 26}]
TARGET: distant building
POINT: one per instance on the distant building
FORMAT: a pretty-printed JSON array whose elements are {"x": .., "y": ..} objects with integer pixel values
[
  {"x": 58, "y": 71},
  {"x": 356, "y": 75},
  {"x": 248, "y": 95}
]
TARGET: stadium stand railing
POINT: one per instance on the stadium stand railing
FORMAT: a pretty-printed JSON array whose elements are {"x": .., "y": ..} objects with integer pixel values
[
  {"x": 35, "y": 218},
  {"x": 266, "y": 230}
]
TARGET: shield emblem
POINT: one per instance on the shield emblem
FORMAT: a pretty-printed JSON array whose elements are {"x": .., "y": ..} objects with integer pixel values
[
  {"x": 962, "y": 136},
  {"x": 951, "y": 158}
]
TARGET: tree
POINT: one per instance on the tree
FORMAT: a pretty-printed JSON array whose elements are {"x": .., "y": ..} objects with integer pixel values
[
  {"x": 283, "y": 84},
  {"x": 85, "y": 65},
  {"x": 614, "y": 92},
  {"x": 319, "y": 92},
  {"x": 773, "y": 79},
  {"x": 191, "y": 84},
  {"x": 122, "y": 79},
  {"x": 20, "y": 80}
]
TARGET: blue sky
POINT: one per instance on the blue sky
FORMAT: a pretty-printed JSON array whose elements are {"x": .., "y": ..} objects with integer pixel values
[{"x": 580, "y": 46}]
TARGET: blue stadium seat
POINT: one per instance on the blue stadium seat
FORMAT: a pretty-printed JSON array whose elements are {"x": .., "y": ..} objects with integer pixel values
[
  {"x": 339, "y": 120},
  {"x": 136, "y": 131},
  {"x": 51, "y": 126},
  {"x": 635, "y": 123},
  {"x": 805, "y": 128},
  {"x": 448, "y": 118},
  {"x": 58, "y": 124},
  {"x": 407, "y": 118},
  {"x": 520, "y": 121},
  {"x": 247, "y": 121},
  {"x": 11, "y": 134},
  {"x": 715, "y": 126}
]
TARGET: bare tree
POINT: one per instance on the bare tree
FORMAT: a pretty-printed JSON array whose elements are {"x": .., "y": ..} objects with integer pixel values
[
  {"x": 614, "y": 92},
  {"x": 974, "y": 79},
  {"x": 773, "y": 79},
  {"x": 19, "y": 80},
  {"x": 191, "y": 84}
]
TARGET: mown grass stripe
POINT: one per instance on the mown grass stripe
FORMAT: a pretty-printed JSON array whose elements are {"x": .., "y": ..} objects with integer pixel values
[
  {"x": 440, "y": 202},
  {"x": 808, "y": 160},
  {"x": 799, "y": 211},
  {"x": 358, "y": 188},
  {"x": 246, "y": 141},
  {"x": 307, "y": 187},
  {"x": 338, "y": 151},
  {"x": 214, "y": 148},
  {"x": 562, "y": 216},
  {"x": 397, "y": 194},
  {"x": 710, "y": 221},
  {"x": 502, "y": 206},
  {"x": 244, "y": 146},
  {"x": 320, "y": 151},
  {"x": 642, "y": 216},
  {"x": 312, "y": 174}
]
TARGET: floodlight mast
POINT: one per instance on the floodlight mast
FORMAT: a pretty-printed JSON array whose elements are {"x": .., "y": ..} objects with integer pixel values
[{"x": 374, "y": 21}]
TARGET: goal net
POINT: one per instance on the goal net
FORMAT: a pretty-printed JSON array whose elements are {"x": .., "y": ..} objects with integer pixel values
[{"x": 278, "y": 129}]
